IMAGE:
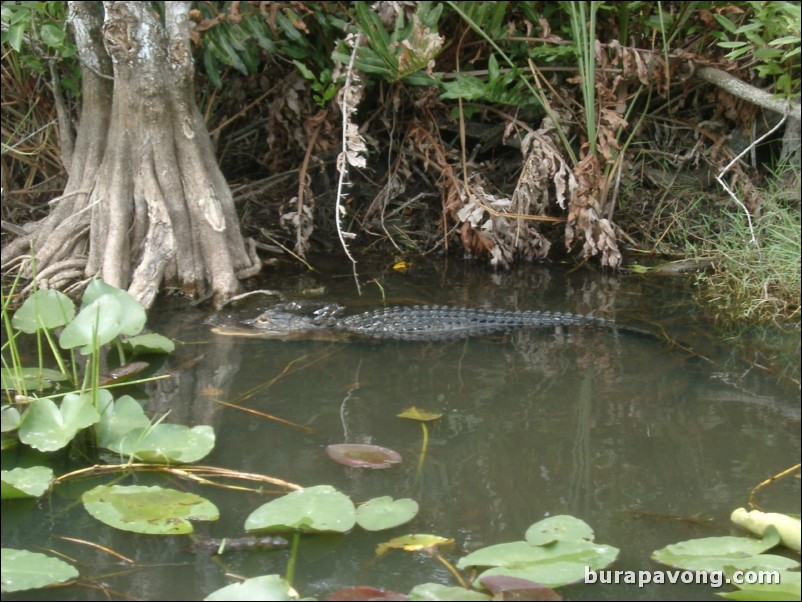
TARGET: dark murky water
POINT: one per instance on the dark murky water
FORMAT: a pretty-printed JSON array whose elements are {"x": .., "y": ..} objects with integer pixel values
[{"x": 648, "y": 444}]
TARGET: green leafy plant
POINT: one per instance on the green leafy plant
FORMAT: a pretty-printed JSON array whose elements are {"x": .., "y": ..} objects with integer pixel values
[
  {"x": 719, "y": 553},
  {"x": 39, "y": 28},
  {"x": 499, "y": 87},
  {"x": 108, "y": 316},
  {"x": 240, "y": 39},
  {"x": 583, "y": 24},
  {"x": 754, "y": 281},
  {"x": 323, "y": 86},
  {"x": 402, "y": 52},
  {"x": 770, "y": 37}
]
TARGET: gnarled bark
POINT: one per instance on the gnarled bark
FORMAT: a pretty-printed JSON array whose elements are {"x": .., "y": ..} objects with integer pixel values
[{"x": 146, "y": 204}]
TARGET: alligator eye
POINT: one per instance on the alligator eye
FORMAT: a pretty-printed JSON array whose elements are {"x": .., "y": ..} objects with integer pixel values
[{"x": 263, "y": 319}]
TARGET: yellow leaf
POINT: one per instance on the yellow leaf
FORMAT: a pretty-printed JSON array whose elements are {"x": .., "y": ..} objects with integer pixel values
[
  {"x": 414, "y": 413},
  {"x": 412, "y": 543}
]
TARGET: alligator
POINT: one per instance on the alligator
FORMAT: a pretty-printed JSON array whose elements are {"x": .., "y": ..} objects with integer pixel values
[{"x": 408, "y": 323}]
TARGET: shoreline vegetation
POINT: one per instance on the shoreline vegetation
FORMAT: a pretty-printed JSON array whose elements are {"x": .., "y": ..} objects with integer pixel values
[{"x": 621, "y": 134}]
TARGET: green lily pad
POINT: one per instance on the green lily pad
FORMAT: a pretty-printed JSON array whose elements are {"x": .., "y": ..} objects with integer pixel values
[
  {"x": 133, "y": 317},
  {"x": 786, "y": 587},
  {"x": 48, "y": 427},
  {"x": 385, "y": 513},
  {"x": 557, "y": 551},
  {"x": 562, "y": 527},
  {"x": 29, "y": 379},
  {"x": 9, "y": 419},
  {"x": 718, "y": 553},
  {"x": 118, "y": 418},
  {"x": 266, "y": 587},
  {"x": 106, "y": 312},
  {"x": 25, "y": 482},
  {"x": 125, "y": 428},
  {"x": 45, "y": 309},
  {"x": 314, "y": 509},
  {"x": 23, "y": 570},
  {"x": 153, "y": 510},
  {"x": 552, "y": 565},
  {"x": 149, "y": 343},
  {"x": 166, "y": 443},
  {"x": 96, "y": 324}
]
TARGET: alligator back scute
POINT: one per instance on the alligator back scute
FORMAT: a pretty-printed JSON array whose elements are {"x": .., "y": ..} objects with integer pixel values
[{"x": 430, "y": 323}]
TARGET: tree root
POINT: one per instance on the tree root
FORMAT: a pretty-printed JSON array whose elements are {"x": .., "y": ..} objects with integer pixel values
[{"x": 145, "y": 205}]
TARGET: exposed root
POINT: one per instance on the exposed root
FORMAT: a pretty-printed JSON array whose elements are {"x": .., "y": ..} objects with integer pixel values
[{"x": 159, "y": 211}]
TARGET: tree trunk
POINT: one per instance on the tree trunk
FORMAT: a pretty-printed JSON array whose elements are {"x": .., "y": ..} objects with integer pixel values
[{"x": 145, "y": 204}]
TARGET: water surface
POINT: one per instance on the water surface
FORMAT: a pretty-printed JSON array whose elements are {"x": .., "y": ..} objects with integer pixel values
[{"x": 648, "y": 443}]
